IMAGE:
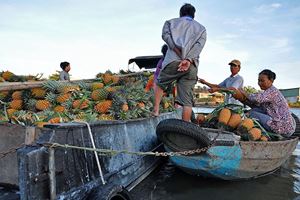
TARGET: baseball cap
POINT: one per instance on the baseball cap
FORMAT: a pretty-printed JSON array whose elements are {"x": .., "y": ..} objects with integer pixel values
[{"x": 235, "y": 62}]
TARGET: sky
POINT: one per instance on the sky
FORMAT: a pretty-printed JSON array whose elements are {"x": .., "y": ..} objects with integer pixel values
[{"x": 95, "y": 36}]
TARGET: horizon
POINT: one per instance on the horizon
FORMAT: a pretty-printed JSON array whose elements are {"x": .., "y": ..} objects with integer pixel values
[{"x": 98, "y": 36}]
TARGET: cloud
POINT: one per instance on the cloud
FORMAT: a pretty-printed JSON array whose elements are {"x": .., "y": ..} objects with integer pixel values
[{"x": 268, "y": 8}]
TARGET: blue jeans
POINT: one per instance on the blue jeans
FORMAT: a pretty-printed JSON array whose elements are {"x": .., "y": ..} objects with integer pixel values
[{"x": 260, "y": 114}]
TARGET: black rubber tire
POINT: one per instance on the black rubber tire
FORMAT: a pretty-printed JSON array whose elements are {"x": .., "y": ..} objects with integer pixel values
[
  {"x": 110, "y": 192},
  {"x": 297, "y": 131},
  {"x": 182, "y": 129}
]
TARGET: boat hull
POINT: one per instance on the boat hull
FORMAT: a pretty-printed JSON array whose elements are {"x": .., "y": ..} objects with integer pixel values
[
  {"x": 244, "y": 160},
  {"x": 76, "y": 172}
]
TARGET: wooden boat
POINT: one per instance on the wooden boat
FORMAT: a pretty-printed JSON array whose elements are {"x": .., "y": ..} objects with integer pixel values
[
  {"x": 76, "y": 173},
  {"x": 226, "y": 157}
]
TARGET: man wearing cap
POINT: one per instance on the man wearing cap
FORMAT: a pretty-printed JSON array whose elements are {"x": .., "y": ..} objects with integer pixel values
[{"x": 233, "y": 81}]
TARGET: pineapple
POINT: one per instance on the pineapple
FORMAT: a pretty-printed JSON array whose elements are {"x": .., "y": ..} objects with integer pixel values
[
  {"x": 66, "y": 88},
  {"x": 10, "y": 112},
  {"x": 42, "y": 104},
  {"x": 125, "y": 107},
  {"x": 81, "y": 104},
  {"x": 17, "y": 95},
  {"x": 59, "y": 109},
  {"x": 103, "y": 106},
  {"x": 245, "y": 126},
  {"x": 107, "y": 78},
  {"x": 55, "y": 120},
  {"x": 141, "y": 105},
  {"x": 115, "y": 79},
  {"x": 254, "y": 134},
  {"x": 105, "y": 117},
  {"x": 3, "y": 94},
  {"x": 52, "y": 85},
  {"x": 51, "y": 97},
  {"x": 38, "y": 93},
  {"x": 16, "y": 104},
  {"x": 63, "y": 97},
  {"x": 7, "y": 75},
  {"x": 234, "y": 121},
  {"x": 84, "y": 86},
  {"x": 30, "y": 104},
  {"x": 100, "y": 94},
  {"x": 97, "y": 85}
]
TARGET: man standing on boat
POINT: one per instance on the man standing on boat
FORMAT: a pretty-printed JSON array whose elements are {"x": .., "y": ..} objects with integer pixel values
[
  {"x": 185, "y": 38},
  {"x": 234, "y": 81}
]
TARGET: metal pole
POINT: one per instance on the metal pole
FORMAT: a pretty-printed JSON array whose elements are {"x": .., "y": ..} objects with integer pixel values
[
  {"x": 94, "y": 147},
  {"x": 52, "y": 174}
]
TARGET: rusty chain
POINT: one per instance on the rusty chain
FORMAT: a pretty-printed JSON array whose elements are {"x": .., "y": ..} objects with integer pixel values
[
  {"x": 106, "y": 151},
  {"x": 188, "y": 152}
]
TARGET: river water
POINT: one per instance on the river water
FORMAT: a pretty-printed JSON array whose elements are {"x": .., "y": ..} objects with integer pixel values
[{"x": 170, "y": 183}]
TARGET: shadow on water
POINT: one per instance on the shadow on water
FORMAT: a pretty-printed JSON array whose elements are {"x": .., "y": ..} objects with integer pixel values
[
  {"x": 170, "y": 182},
  {"x": 8, "y": 194}
]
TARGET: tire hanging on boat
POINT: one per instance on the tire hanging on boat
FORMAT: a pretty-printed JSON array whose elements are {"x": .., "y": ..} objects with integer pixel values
[
  {"x": 179, "y": 135},
  {"x": 110, "y": 192}
]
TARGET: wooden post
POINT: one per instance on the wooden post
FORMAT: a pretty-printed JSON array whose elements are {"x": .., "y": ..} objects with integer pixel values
[
  {"x": 29, "y": 135},
  {"x": 52, "y": 177},
  {"x": 7, "y": 86}
]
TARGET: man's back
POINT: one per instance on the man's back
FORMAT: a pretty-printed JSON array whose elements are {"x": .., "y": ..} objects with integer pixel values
[{"x": 183, "y": 33}]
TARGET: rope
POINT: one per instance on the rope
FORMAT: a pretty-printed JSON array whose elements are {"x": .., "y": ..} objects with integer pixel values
[
  {"x": 11, "y": 150},
  {"x": 94, "y": 147},
  {"x": 110, "y": 152}
]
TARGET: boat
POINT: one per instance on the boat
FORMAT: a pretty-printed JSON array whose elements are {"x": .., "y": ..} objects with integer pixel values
[
  {"x": 75, "y": 173},
  {"x": 221, "y": 154}
]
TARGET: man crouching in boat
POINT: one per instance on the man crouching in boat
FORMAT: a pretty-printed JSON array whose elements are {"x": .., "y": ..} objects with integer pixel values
[{"x": 270, "y": 106}]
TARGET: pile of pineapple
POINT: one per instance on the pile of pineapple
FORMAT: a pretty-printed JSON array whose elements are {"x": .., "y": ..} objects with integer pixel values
[
  {"x": 233, "y": 119},
  {"x": 109, "y": 97},
  {"x": 8, "y": 76}
]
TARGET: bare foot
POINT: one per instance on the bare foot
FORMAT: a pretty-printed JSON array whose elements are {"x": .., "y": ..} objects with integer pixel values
[{"x": 155, "y": 114}]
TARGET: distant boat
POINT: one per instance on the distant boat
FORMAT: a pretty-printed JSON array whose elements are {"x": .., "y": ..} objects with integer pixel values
[{"x": 222, "y": 154}]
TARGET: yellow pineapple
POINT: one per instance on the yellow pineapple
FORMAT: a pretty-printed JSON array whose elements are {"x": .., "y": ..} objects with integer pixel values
[
  {"x": 111, "y": 89},
  {"x": 55, "y": 120},
  {"x": 3, "y": 94},
  {"x": 69, "y": 88},
  {"x": 42, "y": 104},
  {"x": 7, "y": 75},
  {"x": 59, "y": 109},
  {"x": 105, "y": 117},
  {"x": 115, "y": 79},
  {"x": 125, "y": 107},
  {"x": 81, "y": 104},
  {"x": 17, "y": 95},
  {"x": 103, "y": 106},
  {"x": 99, "y": 94},
  {"x": 63, "y": 97},
  {"x": 97, "y": 85},
  {"x": 10, "y": 112},
  {"x": 16, "y": 104},
  {"x": 38, "y": 92},
  {"x": 107, "y": 78}
]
